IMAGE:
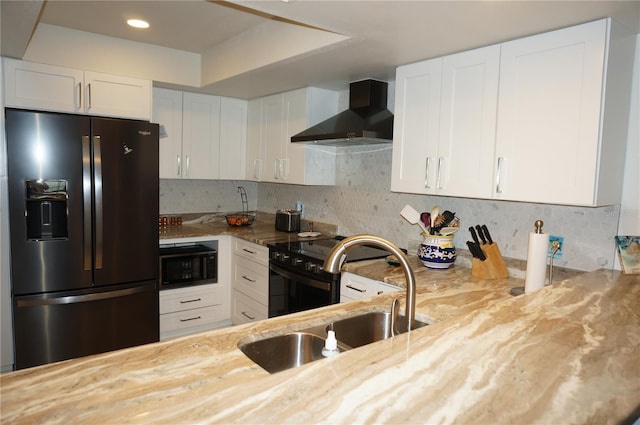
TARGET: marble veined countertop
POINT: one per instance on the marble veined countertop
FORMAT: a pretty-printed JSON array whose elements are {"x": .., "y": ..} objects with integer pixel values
[{"x": 567, "y": 354}]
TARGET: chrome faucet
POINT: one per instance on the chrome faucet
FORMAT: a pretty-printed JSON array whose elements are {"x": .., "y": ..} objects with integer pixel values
[{"x": 336, "y": 258}]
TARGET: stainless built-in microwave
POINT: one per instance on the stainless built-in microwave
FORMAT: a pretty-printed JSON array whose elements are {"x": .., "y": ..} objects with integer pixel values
[{"x": 187, "y": 265}]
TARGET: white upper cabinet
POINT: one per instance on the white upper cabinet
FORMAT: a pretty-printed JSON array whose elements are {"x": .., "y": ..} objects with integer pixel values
[
  {"x": 203, "y": 136},
  {"x": 539, "y": 119},
  {"x": 415, "y": 126},
  {"x": 557, "y": 93},
  {"x": 55, "y": 88},
  {"x": 271, "y": 157},
  {"x": 167, "y": 111},
  {"x": 444, "y": 125}
]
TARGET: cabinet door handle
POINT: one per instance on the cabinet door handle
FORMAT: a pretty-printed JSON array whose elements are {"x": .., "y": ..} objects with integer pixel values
[
  {"x": 179, "y": 165},
  {"x": 498, "y": 171},
  {"x": 275, "y": 169},
  {"x": 440, "y": 161},
  {"x": 195, "y": 300},
  {"x": 188, "y": 165},
  {"x": 89, "y": 93},
  {"x": 79, "y": 95},
  {"x": 249, "y": 279},
  {"x": 247, "y": 315},
  {"x": 190, "y": 319},
  {"x": 249, "y": 251},
  {"x": 356, "y": 289},
  {"x": 426, "y": 173},
  {"x": 257, "y": 168}
]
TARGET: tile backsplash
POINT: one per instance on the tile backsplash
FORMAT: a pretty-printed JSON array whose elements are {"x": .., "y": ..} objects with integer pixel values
[{"x": 361, "y": 202}]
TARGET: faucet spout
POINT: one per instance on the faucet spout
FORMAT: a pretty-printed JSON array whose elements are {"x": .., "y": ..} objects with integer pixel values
[{"x": 338, "y": 254}]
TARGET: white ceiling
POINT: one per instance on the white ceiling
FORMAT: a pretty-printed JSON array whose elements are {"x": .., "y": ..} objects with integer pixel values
[{"x": 382, "y": 34}]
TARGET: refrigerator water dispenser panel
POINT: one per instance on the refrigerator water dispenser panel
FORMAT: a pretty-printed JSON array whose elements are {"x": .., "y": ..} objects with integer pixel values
[{"x": 46, "y": 209}]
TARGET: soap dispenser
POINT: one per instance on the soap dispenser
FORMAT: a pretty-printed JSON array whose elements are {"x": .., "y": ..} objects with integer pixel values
[{"x": 330, "y": 345}]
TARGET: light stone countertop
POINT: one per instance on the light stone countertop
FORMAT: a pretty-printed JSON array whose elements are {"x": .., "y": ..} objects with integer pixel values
[{"x": 567, "y": 354}]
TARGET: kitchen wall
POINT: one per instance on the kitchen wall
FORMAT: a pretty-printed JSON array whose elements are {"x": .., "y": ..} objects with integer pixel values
[{"x": 205, "y": 196}]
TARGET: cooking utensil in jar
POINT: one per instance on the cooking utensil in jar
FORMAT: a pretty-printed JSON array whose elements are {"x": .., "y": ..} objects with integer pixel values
[
  {"x": 426, "y": 219},
  {"x": 446, "y": 231},
  {"x": 412, "y": 216}
]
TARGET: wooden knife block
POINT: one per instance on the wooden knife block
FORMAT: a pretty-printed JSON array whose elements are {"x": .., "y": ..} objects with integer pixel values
[{"x": 493, "y": 267}]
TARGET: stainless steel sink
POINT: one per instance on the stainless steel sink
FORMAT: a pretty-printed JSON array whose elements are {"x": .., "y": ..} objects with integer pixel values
[
  {"x": 284, "y": 351},
  {"x": 368, "y": 328},
  {"x": 295, "y": 349}
]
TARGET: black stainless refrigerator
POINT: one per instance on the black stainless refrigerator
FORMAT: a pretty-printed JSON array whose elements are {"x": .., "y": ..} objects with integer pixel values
[{"x": 83, "y": 210}]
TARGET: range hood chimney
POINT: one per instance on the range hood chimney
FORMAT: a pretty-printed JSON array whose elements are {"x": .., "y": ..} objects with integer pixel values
[{"x": 366, "y": 121}]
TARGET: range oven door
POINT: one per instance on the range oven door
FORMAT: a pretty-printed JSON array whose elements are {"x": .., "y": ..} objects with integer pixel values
[{"x": 290, "y": 292}]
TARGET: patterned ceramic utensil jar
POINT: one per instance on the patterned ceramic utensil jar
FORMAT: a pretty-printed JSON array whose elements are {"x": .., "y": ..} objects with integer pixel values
[{"x": 437, "y": 252}]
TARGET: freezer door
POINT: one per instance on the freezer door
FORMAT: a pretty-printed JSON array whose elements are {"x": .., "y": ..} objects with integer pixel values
[
  {"x": 49, "y": 329},
  {"x": 126, "y": 200},
  {"x": 46, "y": 202}
]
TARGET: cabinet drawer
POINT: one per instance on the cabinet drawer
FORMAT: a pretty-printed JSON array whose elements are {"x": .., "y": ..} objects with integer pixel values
[
  {"x": 182, "y": 299},
  {"x": 251, "y": 279},
  {"x": 245, "y": 309},
  {"x": 355, "y": 287},
  {"x": 191, "y": 318},
  {"x": 251, "y": 251}
]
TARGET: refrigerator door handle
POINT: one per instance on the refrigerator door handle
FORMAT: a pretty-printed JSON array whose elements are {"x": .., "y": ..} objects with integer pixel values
[
  {"x": 86, "y": 205},
  {"x": 72, "y": 299},
  {"x": 97, "y": 166}
]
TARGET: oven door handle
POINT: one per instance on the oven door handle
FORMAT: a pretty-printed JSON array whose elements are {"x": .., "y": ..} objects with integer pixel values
[{"x": 325, "y": 286}]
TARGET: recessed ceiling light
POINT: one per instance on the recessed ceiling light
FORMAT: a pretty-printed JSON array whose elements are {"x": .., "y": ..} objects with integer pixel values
[{"x": 138, "y": 23}]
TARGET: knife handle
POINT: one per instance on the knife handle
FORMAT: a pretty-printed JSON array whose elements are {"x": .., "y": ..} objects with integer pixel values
[
  {"x": 474, "y": 235},
  {"x": 487, "y": 234},
  {"x": 481, "y": 234}
]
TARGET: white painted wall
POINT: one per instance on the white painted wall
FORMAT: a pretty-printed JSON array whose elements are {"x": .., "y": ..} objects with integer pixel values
[
  {"x": 93, "y": 52},
  {"x": 6, "y": 328}
]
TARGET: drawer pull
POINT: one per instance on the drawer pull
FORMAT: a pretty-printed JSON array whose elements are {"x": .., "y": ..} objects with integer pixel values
[
  {"x": 249, "y": 279},
  {"x": 356, "y": 289},
  {"x": 190, "y": 301},
  {"x": 190, "y": 319},
  {"x": 249, "y": 251},
  {"x": 247, "y": 315}
]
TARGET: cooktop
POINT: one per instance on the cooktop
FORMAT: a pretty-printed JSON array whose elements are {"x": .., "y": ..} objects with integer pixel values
[{"x": 320, "y": 248}]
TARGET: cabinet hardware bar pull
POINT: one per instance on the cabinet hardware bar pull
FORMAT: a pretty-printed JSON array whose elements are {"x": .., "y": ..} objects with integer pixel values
[
  {"x": 247, "y": 315},
  {"x": 190, "y": 301},
  {"x": 188, "y": 165},
  {"x": 426, "y": 173},
  {"x": 179, "y": 165},
  {"x": 440, "y": 160},
  {"x": 190, "y": 319},
  {"x": 79, "y": 95},
  {"x": 248, "y": 250},
  {"x": 89, "y": 90},
  {"x": 498, "y": 188},
  {"x": 275, "y": 169},
  {"x": 356, "y": 289},
  {"x": 250, "y": 280}
]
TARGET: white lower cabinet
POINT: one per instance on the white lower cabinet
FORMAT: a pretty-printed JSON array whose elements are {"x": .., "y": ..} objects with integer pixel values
[
  {"x": 193, "y": 309},
  {"x": 250, "y": 282},
  {"x": 355, "y": 287}
]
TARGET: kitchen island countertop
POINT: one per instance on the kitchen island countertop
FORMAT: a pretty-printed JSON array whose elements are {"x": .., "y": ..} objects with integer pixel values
[{"x": 568, "y": 354}]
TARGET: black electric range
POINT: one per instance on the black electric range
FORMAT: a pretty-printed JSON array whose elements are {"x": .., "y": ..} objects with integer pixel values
[{"x": 297, "y": 279}]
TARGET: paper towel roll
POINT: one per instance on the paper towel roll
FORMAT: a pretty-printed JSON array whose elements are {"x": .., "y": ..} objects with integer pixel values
[{"x": 536, "y": 262}]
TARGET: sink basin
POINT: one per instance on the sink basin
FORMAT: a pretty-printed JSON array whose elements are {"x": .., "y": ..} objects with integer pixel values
[
  {"x": 298, "y": 348},
  {"x": 284, "y": 351},
  {"x": 368, "y": 328}
]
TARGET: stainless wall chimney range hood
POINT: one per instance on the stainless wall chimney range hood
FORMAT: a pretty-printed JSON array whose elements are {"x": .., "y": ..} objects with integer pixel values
[{"x": 367, "y": 120}]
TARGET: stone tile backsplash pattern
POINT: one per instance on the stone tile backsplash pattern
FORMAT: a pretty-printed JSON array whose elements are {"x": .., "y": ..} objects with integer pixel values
[{"x": 361, "y": 202}]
